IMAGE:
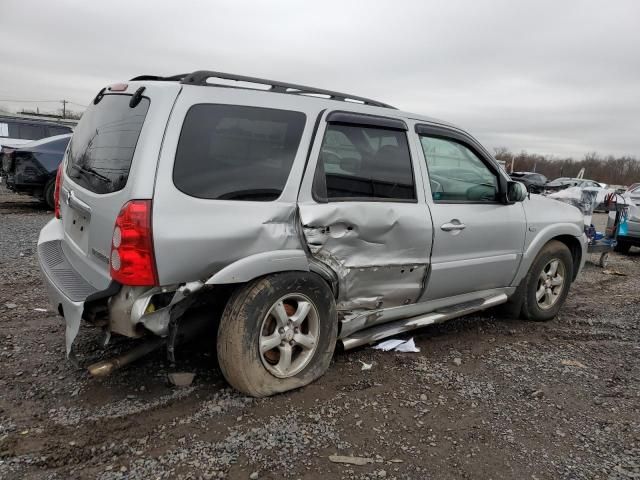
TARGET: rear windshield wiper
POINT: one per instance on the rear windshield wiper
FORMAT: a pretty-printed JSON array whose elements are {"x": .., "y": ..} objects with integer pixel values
[{"x": 91, "y": 171}]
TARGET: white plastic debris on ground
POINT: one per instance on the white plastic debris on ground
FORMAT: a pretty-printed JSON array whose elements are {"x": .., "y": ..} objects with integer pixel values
[
  {"x": 366, "y": 366},
  {"x": 397, "y": 346}
]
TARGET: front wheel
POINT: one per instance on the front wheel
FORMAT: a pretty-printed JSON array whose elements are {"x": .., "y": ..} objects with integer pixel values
[
  {"x": 277, "y": 333},
  {"x": 546, "y": 286}
]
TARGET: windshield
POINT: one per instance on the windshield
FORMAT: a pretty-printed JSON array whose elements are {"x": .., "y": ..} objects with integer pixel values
[{"x": 104, "y": 142}]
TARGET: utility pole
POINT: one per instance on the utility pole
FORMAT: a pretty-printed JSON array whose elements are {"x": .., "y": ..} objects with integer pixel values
[{"x": 64, "y": 108}]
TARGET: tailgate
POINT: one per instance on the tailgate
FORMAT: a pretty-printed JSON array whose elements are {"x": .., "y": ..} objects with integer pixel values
[{"x": 111, "y": 159}]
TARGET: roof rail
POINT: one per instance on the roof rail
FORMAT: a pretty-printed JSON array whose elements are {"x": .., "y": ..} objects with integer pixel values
[{"x": 201, "y": 76}]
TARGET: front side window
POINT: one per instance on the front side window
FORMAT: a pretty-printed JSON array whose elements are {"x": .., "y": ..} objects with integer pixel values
[
  {"x": 232, "y": 152},
  {"x": 365, "y": 163},
  {"x": 456, "y": 173}
]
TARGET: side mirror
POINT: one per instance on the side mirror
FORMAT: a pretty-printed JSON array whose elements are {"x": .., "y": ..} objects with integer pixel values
[{"x": 516, "y": 192}]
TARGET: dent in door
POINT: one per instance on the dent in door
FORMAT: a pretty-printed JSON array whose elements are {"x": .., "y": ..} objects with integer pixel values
[{"x": 379, "y": 252}]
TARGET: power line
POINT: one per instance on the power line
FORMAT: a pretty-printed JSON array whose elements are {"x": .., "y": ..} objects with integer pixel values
[
  {"x": 28, "y": 101},
  {"x": 39, "y": 101}
]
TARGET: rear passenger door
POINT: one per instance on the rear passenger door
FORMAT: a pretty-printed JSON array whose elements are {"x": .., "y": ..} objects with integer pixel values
[
  {"x": 363, "y": 210},
  {"x": 478, "y": 240}
]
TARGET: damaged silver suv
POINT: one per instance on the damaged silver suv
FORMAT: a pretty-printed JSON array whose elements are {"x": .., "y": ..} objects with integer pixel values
[{"x": 290, "y": 218}]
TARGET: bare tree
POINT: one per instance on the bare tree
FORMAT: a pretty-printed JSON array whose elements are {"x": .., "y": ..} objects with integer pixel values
[{"x": 607, "y": 169}]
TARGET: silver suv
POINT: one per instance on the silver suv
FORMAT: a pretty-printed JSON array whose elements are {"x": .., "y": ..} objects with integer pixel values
[{"x": 292, "y": 219}]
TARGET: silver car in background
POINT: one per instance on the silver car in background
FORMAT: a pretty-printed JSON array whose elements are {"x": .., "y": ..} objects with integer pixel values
[
  {"x": 630, "y": 236},
  {"x": 296, "y": 218}
]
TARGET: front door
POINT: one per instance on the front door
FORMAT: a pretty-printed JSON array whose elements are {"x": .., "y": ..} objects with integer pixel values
[
  {"x": 363, "y": 214},
  {"x": 478, "y": 240}
]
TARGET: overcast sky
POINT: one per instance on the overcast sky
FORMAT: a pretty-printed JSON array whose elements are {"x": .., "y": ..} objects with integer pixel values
[{"x": 553, "y": 77}]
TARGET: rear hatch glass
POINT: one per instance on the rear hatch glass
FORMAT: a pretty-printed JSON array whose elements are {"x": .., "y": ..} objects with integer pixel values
[{"x": 104, "y": 142}]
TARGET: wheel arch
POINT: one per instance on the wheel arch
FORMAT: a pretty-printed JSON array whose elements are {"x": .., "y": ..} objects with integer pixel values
[
  {"x": 567, "y": 233},
  {"x": 575, "y": 247},
  {"x": 260, "y": 264}
]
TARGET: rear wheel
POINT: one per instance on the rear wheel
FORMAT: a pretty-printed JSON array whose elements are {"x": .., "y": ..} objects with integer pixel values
[
  {"x": 48, "y": 193},
  {"x": 277, "y": 333},
  {"x": 546, "y": 286}
]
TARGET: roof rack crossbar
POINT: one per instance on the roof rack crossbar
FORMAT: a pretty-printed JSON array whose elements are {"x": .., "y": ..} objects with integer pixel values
[{"x": 201, "y": 76}]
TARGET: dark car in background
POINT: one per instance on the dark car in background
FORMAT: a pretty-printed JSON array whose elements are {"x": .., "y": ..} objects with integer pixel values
[
  {"x": 18, "y": 131},
  {"x": 532, "y": 180},
  {"x": 31, "y": 168}
]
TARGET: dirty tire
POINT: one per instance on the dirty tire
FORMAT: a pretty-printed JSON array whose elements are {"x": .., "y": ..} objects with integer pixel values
[
  {"x": 48, "y": 193},
  {"x": 554, "y": 250},
  {"x": 622, "y": 247},
  {"x": 240, "y": 329}
]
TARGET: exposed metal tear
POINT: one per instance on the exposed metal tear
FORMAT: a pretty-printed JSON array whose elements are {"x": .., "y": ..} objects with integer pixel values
[{"x": 158, "y": 320}]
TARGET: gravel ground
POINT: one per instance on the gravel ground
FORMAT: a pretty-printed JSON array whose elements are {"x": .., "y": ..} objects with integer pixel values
[{"x": 486, "y": 397}]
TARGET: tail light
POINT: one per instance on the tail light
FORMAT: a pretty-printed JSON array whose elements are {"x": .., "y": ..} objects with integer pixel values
[
  {"x": 56, "y": 192},
  {"x": 132, "y": 261}
]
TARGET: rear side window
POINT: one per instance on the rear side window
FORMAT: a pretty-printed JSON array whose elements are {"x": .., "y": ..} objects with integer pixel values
[
  {"x": 364, "y": 163},
  {"x": 231, "y": 152},
  {"x": 22, "y": 131},
  {"x": 104, "y": 142},
  {"x": 31, "y": 131}
]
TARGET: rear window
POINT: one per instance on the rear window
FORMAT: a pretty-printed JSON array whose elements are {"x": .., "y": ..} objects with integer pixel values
[
  {"x": 31, "y": 131},
  {"x": 52, "y": 131},
  {"x": 231, "y": 152},
  {"x": 104, "y": 142}
]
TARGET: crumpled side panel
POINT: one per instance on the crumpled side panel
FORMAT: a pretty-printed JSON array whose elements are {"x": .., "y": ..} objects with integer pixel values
[{"x": 380, "y": 251}]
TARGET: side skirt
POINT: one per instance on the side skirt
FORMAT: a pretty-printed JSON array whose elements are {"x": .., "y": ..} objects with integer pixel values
[{"x": 378, "y": 332}]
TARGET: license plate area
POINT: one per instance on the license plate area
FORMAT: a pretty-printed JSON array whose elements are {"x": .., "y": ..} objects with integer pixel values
[{"x": 77, "y": 228}]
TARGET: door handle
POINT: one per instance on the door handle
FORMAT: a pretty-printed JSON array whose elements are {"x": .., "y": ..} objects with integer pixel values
[{"x": 455, "y": 225}]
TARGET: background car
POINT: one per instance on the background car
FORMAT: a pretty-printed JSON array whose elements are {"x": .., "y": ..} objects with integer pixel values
[
  {"x": 19, "y": 131},
  {"x": 566, "y": 182},
  {"x": 532, "y": 180},
  {"x": 31, "y": 168},
  {"x": 631, "y": 236}
]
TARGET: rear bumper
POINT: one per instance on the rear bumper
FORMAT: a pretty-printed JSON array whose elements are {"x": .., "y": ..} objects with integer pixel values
[
  {"x": 69, "y": 292},
  {"x": 66, "y": 288}
]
